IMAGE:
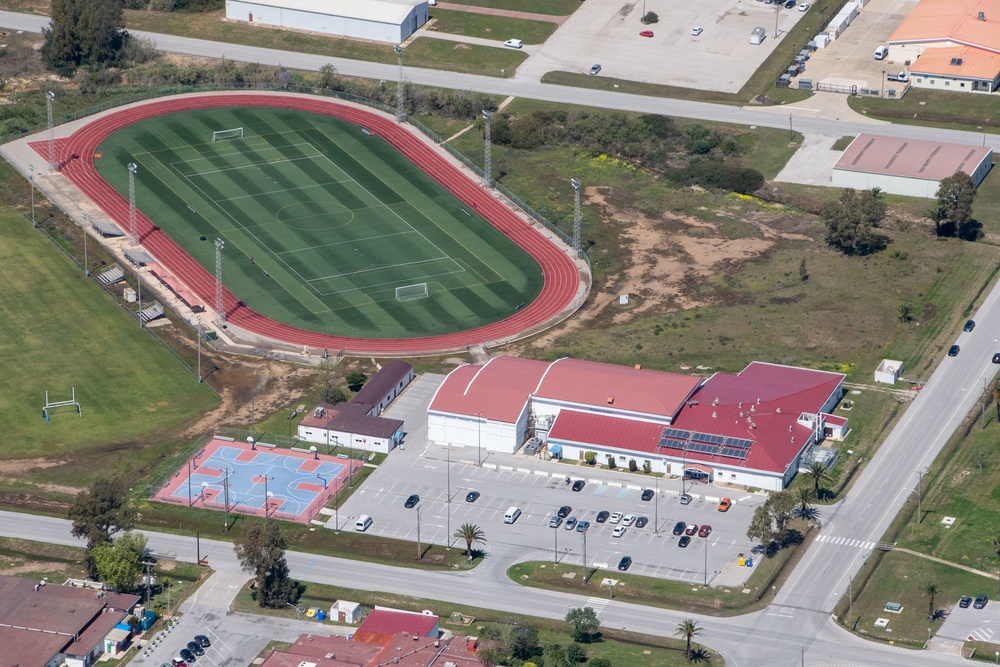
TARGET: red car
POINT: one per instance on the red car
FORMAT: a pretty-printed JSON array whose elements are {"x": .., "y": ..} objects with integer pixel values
[
  {"x": 691, "y": 529},
  {"x": 705, "y": 531},
  {"x": 646, "y": 33}
]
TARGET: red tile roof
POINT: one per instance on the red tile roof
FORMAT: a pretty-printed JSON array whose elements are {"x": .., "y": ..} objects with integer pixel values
[
  {"x": 626, "y": 389},
  {"x": 351, "y": 418},
  {"x": 395, "y": 651},
  {"x": 951, "y": 21},
  {"x": 498, "y": 390},
  {"x": 975, "y": 63},
  {"x": 930, "y": 160}
]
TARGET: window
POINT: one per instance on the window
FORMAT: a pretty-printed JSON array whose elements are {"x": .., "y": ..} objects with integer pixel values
[
  {"x": 947, "y": 83},
  {"x": 732, "y": 475}
]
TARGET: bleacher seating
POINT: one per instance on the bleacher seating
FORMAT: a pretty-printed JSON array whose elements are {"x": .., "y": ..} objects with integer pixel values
[
  {"x": 151, "y": 312},
  {"x": 138, "y": 256},
  {"x": 113, "y": 275},
  {"x": 106, "y": 228}
]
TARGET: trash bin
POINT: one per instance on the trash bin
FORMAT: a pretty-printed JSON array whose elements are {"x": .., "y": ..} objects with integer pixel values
[
  {"x": 321, "y": 616},
  {"x": 743, "y": 562},
  {"x": 749, "y": 564}
]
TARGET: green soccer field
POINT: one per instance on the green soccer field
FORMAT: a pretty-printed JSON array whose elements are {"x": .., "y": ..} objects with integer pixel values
[{"x": 322, "y": 223}]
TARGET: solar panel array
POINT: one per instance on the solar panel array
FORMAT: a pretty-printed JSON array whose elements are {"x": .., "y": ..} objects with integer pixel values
[{"x": 705, "y": 443}]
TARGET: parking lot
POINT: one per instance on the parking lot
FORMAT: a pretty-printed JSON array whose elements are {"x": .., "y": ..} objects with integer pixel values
[
  {"x": 539, "y": 488},
  {"x": 721, "y": 58},
  {"x": 850, "y": 60}
]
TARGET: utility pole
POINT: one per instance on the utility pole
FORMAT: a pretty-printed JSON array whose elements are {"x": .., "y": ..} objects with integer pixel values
[
  {"x": 50, "y": 97},
  {"x": 576, "y": 215},
  {"x": 419, "y": 550},
  {"x": 133, "y": 224},
  {"x": 487, "y": 148},
  {"x": 31, "y": 178},
  {"x": 220, "y": 311},
  {"x": 583, "y": 564},
  {"x": 400, "y": 110}
]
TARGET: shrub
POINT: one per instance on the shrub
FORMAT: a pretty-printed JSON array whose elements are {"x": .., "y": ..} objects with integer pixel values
[
  {"x": 611, "y": 462},
  {"x": 632, "y": 465},
  {"x": 647, "y": 468},
  {"x": 590, "y": 458},
  {"x": 650, "y": 17}
]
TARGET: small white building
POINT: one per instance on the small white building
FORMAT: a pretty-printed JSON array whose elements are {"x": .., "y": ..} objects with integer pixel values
[
  {"x": 378, "y": 20},
  {"x": 888, "y": 371}
]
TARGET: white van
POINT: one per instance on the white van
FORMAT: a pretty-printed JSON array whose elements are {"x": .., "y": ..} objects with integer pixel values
[
  {"x": 514, "y": 43},
  {"x": 881, "y": 52},
  {"x": 510, "y": 516},
  {"x": 361, "y": 525}
]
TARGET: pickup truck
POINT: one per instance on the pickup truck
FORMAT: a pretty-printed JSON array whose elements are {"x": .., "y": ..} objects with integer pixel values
[{"x": 902, "y": 77}]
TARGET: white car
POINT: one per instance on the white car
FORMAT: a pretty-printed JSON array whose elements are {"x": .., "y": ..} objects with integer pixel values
[
  {"x": 697, "y": 31},
  {"x": 628, "y": 520},
  {"x": 804, "y": 7},
  {"x": 514, "y": 43},
  {"x": 615, "y": 517},
  {"x": 618, "y": 531}
]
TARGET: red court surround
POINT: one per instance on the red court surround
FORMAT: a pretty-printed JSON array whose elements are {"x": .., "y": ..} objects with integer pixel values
[{"x": 560, "y": 276}]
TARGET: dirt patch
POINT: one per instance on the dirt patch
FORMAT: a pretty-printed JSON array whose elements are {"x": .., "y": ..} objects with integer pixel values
[
  {"x": 664, "y": 264},
  {"x": 28, "y": 568}
]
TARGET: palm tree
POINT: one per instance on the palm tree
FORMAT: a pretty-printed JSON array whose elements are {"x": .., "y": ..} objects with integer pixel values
[
  {"x": 688, "y": 629},
  {"x": 804, "y": 498},
  {"x": 929, "y": 589},
  {"x": 819, "y": 474},
  {"x": 471, "y": 533}
]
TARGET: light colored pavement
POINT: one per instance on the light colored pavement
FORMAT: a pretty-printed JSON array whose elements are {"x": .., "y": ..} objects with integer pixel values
[{"x": 812, "y": 163}]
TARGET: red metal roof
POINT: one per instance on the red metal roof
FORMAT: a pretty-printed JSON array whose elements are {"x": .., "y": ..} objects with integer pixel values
[
  {"x": 498, "y": 390},
  {"x": 597, "y": 384},
  {"x": 762, "y": 403},
  {"x": 910, "y": 158},
  {"x": 381, "y": 622}
]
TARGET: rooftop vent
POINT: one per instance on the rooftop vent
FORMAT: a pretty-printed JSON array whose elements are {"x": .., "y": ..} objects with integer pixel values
[
  {"x": 713, "y": 413},
  {"x": 317, "y": 413},
  {"x": 778, "y": 410},
  {"x": 611, "y": 399},
  {"x": 956, "y": 61},
  {"x": 982, "y": 16},
  {"x": 716, "y": 401},
  {"x": 638, "y": 367}
]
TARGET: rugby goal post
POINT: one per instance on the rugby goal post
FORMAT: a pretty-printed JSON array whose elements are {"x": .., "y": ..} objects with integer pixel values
[
  {"x": 52, "y": 406},
  {"x": 411, "y": 292},
  {"x": 235, "y": 133}
]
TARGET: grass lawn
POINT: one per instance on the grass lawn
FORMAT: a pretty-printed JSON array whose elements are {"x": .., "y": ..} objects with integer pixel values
[
  {"x": 550, "y": 7},
  {"x": 466, "y": 58},
  {"x": 323, "y": 234},
  {"x": 621, "y": 648},
  {"x": 51, "y": 338},
  {"x": 935, "y": 108},
  {"x": 487, "y": 26}
]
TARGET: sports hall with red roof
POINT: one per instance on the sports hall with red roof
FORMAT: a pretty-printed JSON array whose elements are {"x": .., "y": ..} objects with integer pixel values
[{"x": 750, "y": 428}]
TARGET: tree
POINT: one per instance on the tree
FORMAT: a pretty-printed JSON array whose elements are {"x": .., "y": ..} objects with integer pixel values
[
  {"x": 688, "y": 629},
  {"x": 852, "y": 221},
  {"x": 356, "y": 380},
  {"x": 996, "y": 546},
  {"x": 555, "y": 656},
  {"x": 953, "y": 215},
  {"x": 84, "y": 32},
  {"x": 119, "y": 563},
  {"x": 260, "y": 549},
  {"x": 596, "y": 662},
  {"x": 930, "y": 589},
  {"x": 804, "y": 496},
  {"x": 328, "y": 76},
  {"x": 100, "y": 512},
  {"x": 818, "y": 472},
  {"x": 905, "y": 312},
  {"x": 329, "y": 390},
  {"x": 471, "y": 533},
  {"x": 781, "y": 506},
  {"x": 803, "y": 271},
  {"x": 760, "y": 528},
  {"x": 584, "y": 621}
]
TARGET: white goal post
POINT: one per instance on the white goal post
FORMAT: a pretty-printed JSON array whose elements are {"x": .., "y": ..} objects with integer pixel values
[
  {"x": 235, "y": 133},
  {"x": 411, "y": 292}
]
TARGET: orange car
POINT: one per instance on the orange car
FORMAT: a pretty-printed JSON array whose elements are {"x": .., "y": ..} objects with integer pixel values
[{"x": 725, "y": 504}]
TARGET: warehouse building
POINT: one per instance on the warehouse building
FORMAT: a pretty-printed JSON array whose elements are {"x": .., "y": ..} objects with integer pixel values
[
  {"x": 906, "y": 166},
  {"x": 377, "y": 20}
]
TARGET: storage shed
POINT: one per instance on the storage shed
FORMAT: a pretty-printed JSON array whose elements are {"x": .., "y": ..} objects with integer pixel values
[
  {"x": 888, "y": 371},
  {"x": 378, "y": 20},
  {"x": 907, "y": 167}
]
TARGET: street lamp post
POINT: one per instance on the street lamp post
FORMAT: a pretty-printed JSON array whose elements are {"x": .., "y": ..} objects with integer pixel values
[
  {"x": 479, "y": 437},
  {"x": 225, "y": 487},
  {"x": 448, "y": 502},
  {"x": 267, "y": 496},
  {"x": 583, "y": 563},
  {"x": 31, "y": 178},
  {"x": 656, "y": 507},
  {"x": 706, "y": 562},
  {"x": 555, "y": 542},
  {"x": 882, "y": 91}
]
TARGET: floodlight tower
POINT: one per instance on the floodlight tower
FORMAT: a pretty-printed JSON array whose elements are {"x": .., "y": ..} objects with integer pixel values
[
  {"x": 487, "y": 155},
  {"x": 576, "y": 214},
  {"x": 50, "y": 97},
  {"x": 31, "y": 178},
  {"x": 133, "y": 222},
  {"x": 220, "y": 311},
  {"x": 400, "y": 112}
]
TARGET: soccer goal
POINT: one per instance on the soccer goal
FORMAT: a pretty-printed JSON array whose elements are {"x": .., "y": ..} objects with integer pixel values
[
  {"x": 411, "y": 292},
  {"x": 235, "y": 133}
]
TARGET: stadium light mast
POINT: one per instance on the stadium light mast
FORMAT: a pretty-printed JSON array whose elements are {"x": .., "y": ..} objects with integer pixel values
[
  {"x": 50, "y": 97},
  {"x": 400, "y": 112},
  {"x": 487, "y": 152},
  {"x": 31, "y": 178},
  {"x": 86, "y": 221},
  {"x": 133, "y": 222},
  {"x": 220, "y": 311},
  {"x": 576, "y": 214}
]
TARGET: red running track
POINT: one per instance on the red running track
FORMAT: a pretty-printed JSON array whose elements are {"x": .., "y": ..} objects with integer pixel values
[{"x": 559, "y": 273}]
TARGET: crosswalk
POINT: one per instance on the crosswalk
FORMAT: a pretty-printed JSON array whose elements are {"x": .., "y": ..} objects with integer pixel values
[
  {"x": 846, "y": 541},
  {"x": 597, "y": 604}
]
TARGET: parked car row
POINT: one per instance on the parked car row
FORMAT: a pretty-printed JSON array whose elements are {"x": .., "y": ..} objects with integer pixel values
[
  {"x": 191, "y": 652},
  {"x": 980, "y": 601}
]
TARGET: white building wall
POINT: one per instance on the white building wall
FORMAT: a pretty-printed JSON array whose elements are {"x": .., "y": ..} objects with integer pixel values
[
  {"x": 546, "y": 407},
  {"x": 490, "y": 436},
  {"x": 341, "y": 26},
  {"x": 896, "y": 185},
  {"x": 321, "y": 436}
]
